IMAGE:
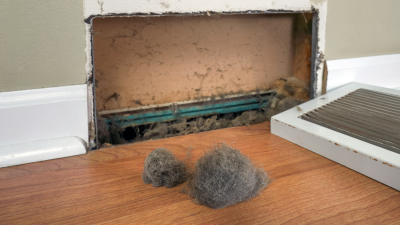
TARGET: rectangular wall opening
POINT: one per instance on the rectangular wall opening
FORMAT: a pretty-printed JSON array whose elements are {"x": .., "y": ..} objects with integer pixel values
[{"x": 168, "y": 75}]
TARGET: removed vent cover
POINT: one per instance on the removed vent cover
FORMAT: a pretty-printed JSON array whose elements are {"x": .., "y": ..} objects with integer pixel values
[{"x": 356, "y": 125}]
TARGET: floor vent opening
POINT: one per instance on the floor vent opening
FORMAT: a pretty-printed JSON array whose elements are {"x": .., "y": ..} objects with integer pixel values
[{"x": 152, "y": 71}]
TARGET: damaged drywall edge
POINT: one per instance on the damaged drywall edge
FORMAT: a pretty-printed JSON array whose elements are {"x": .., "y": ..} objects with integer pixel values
[
  {"x": 314, "y": 55},
  {"x": 106, "y": 7},
  {"x": 321, "y": 7},
  {"x": 88, "y": 51},
  {"x": 90, "y": 87},
  {"x": 91, "y": 117},
  {"x": 200, "y": 13}
]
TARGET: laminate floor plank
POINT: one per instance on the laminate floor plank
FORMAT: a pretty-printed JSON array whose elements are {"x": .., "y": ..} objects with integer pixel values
[{"x": 105, "y": 187}]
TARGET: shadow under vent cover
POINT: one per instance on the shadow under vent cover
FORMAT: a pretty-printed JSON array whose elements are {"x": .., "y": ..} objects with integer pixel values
[{"x": 367, "y": 115}]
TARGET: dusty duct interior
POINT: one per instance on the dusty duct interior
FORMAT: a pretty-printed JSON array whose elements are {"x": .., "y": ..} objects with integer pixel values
[{"x": 148, "y": 67}]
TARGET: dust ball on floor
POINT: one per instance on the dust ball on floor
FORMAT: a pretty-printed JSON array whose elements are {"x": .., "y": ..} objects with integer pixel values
[
  {"x": 224, "y": 176},
  {"x": 161, "y": 167}
]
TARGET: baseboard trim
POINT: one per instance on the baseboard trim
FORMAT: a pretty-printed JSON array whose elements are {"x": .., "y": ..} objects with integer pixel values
[
  {"x": 36, "y": 151},
  {"x": 34, "y": 115},
  {"x": 382, "y": 71}
]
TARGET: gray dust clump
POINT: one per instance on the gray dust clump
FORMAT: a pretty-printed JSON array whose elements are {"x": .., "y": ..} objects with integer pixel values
[
  {"x": 224, "y": 176},
  {"x": 160, "y": 130},
  {"x": 280, "y": 104},
  {"x": 162, "y": 168},
  {"x": 116, "y": 134},
  {"x": 276, "y": 104},
  {"x": 200, "y": 124},
  {"x": 103, "y": 134},
  {"x": 109, "y": 133}
]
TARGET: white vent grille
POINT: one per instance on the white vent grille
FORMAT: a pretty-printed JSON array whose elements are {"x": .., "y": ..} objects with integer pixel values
[
  {"x": 371, "y": 116},
  {"x": 357, "y": 126}
]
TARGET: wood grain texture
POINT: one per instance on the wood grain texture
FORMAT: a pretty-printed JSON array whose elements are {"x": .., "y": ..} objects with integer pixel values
[{"x": 105, "y": 187}]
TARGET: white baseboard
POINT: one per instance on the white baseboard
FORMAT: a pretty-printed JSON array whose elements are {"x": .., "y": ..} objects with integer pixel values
[
  {"x": 383, "y": 71},
  {"x": 43, "y": 114},
  {"x": 11, "y": 155}
]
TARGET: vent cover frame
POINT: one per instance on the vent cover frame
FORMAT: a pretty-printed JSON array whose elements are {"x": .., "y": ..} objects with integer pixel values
[{"x": 375, "y": 162}]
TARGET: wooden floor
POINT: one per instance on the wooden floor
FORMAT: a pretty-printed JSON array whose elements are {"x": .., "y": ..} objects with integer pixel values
[{"x": 105, "y": 187}]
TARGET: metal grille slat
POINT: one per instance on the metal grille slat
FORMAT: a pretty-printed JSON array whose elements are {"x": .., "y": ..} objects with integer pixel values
[
  {"x": 385, "y": 105},
  {"x": 371, "y": 119},
  {"x": 383, "y": 127},
  {"x": 377, "y": 98},
  {"x": 369, "y": 108},
  {"x": 364, "y": 104},
  {"x": 373, "y": 141},
  {"x": 367, "y": 115},
  {"x": 352, "y": 125},
  {"x": 384, "y": 95},
  {"x": 379, "y": 118}
]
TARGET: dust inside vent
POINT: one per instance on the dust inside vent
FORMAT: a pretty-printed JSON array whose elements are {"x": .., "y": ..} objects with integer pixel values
[{"x": 370, "y": 116}]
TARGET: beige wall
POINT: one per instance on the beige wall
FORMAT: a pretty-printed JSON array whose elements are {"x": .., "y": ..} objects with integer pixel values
[
  {"x": 42, "y": 44},
  {"x": 359, "y": 28}
]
